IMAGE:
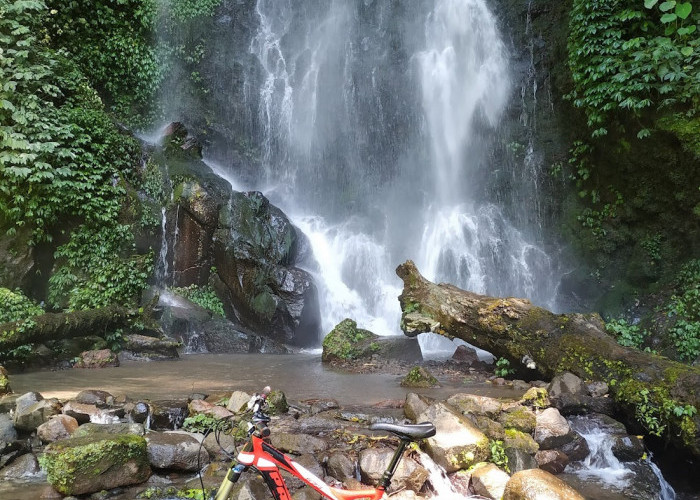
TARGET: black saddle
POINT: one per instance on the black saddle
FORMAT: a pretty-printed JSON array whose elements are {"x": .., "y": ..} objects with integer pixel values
[{"x": 409, "y": 432}]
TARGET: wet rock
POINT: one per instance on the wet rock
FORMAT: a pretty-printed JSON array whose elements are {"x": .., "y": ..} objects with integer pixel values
[
  {"x": 518, "y": 417},
  {"x": 628, "y": 448},
  {"x": 175, "y": 451},
  {"x": 597, "y": 389},
  {"x": 552, "y": 461},
  {"x": 566, "y": 383},
  {"x": 465, "y": 354},
  {"x": 489, "y": 481},
  {"x": 138, "y": 412},
  {"x": 201, "y": 407},
  {"x": 144, "y": 348},
  {"x": 77, "y": 466},
  {"x": 298, "y": 443},
  {"x": 57, "y": 427},
  {"x": 458, "y": 444},
  {"x": 519, "y": 459},
  {"x": 373, "y": 462},
  {"x": 340, "y": 466},
  {"x": 95, "y": 397},
  {"x": 8, "y": 402},
  {"x": 238, "y": 401},
  {"x": 415, "y": 404},
  {"x": 101, "y": 358},
  {"x": 84, "y": 413},
  {"x": 10, "y": 451},
  {"x": 552, "y": 430},
  {"x": 347, "y": 342},
  {"x": 477, "y": 405},
  {"x": 119, "y": 428},
  {"x": 7, "y": 428},
  {"x": 494, "y": 430},
  {"x": 321, "y": 405},
  {"x": 644, "y": 483},
  {"x": 577, "y": 449},
  {"x": 537, "y": 484},
  {"x": 569, "y": 404},
  {"x": 168, "y": 414},
  {"x": 30, "y": 415},
  {"x": 24, "y": 466},
  {"x": 520, "y": 440},
  {"x": 223, "y": 449}
]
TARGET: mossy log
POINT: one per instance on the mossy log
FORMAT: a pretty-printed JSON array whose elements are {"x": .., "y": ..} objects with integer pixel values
[
  {"x": 661, "y": 395},
  {"x": 56, "y": 326}
]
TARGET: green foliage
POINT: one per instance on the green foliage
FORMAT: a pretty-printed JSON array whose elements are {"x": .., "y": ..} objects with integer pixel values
[
  {"x": 654, "y": 413},
  {"x": 189, "y": 9},
  {"x": 503, "y": 368},
  {"x": 60, "y": 154},
  {"x": 627, "y": 334},
  {"x": 203, "y": 423},
  {"x": 98, "y": 267},
  {"x": 111, "y": 42},
  {"x": 684, "y": 309},
  {"x": 626, "y": 57},
  {"x": 14, "y": 306},
  {"x": 203, "y": 296},
  {"x": 498, "y": 454}
]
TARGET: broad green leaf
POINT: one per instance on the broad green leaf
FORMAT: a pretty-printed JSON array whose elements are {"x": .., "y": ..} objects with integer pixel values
[
  {"x": 666, "y": 6},
  {"x": 668, "y": 18},
  {"x": 686, "y": 51},
  {"x": 683, "y": 10},
  {"x": 650, "y": 3}
]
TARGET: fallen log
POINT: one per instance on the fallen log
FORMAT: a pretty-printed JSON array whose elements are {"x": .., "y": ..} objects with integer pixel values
[
  {"x": 661, "y": 395},
  {"x": 57, "y": 326}
]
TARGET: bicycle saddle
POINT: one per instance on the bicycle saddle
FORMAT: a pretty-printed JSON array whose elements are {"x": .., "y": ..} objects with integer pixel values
[{"x": 407, "y": 431}]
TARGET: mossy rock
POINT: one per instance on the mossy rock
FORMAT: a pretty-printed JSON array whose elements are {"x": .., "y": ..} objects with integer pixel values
[
  {"x": 4, "y": 382},
  {"x": 419, "y": 377},
  {"x": 77, "y": 466},
  {"x": 277, "y": 403},
  {"x": 347, "y": 342},
  {"x": 536, "y": 397},
  {"x": 520, "y": 441},
  {"x": 518, "y": 417}
]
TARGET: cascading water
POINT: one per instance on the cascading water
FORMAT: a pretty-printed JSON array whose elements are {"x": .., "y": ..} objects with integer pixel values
[{"x": 374, "y": 123}]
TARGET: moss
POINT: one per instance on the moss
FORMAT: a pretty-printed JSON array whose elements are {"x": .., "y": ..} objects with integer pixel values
[
  {"x": 537, "y": 397},
  {"x": 264, "y": 305},
  {"x": 71, "y": 462},
  {"x": 347, "y": 342},
  {"x": 419, "y": 377},
  {"x": 521, "y": 441}
]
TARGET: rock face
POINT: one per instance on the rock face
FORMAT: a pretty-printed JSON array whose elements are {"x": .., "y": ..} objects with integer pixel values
[
  {"x": 250, "y": 244},
  {"x": 458, "y": 444},
  {"x": 536, "y": 484},
  {"x": 373, "y": 462},
  {"x": 77, "y": 466},
  {"x": 4, "y": 382}
]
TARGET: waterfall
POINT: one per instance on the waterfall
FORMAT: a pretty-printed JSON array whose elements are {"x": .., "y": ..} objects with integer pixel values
[{"x": 373, "y": 125}]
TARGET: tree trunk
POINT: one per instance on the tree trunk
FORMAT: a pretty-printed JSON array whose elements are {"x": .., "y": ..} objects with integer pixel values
[
  {"x": 661, "y": 395},
  {"x": 56, "y": 326}
]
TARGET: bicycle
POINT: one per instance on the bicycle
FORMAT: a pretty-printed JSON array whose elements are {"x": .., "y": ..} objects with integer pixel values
[{"x": 258, "y": 454}]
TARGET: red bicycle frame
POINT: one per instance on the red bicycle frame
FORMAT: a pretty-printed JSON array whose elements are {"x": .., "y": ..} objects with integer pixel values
[{"x": 268, "y": 461}]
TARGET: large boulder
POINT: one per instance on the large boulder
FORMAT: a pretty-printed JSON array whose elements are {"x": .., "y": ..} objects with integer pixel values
[
  {"x": 458, "y": 443},
  {"x": 255, "y": 251},
  {"x": 373, "y": 463},
  {"x": 489, "y": 481},
  {"x": 537, "y": 484},
  {"x": 77, "y": 466},
  {"x": 347, "y": 342},
  {"x": 175, "y": 451},
  {"x": 33, "y": 410}
]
